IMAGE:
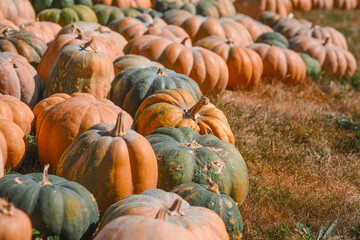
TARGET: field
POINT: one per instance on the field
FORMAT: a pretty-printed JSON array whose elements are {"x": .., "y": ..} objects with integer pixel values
[{"x": 302, "y": 148}]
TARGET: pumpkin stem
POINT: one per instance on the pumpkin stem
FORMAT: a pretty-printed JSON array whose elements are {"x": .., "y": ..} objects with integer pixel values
[
  {"x": 119, "y": 129},
  {"x": 161, "y": 72},
  {"x": 326, "y": 41},
  {"x": 193, "y": 112},
  {"x": 174, "y": 210},
  {"x": 193, "y": 144},
  {"x": 75, "y": 29},
  {"x": 7, "y": 209},
  {"x": 213, "y": 186},
  {"x": 4, "y": 31},
  {"x": 101, "y": 29},
  {"x": 88, "y": 46},
  {"x": 316, "y": 21},
  {"x": 161, "y": 215},
  {"x": 184, "y": 40},
  {"x": 45, "y": 180},
  {"x": 229, "y": 41}
]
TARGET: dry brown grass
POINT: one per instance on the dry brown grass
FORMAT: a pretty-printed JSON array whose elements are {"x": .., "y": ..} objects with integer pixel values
[{"x": 312, "y": 176}]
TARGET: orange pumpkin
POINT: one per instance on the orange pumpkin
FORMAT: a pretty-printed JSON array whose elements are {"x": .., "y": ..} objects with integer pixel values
[
  {"x": 245, "y": 65},
  {"x": 280, "y": 63},
  {"x": 58, "y": 125},
  {"x": 46, "y": 31},
  {"x": 9, "y": 24},
  {"x": 178, "y": 108},
  {"x": 126, "y": 3},
  {"x": 13, "y": 9},
  {"x": 302, "y": 5},
  {"x": 18, "y": 112},
  {"x": 205, "y": 67},
  {"x": 254, "y": 8},
  {"x": 345, "y": 4},
  {"x": 324, "y": 4}
]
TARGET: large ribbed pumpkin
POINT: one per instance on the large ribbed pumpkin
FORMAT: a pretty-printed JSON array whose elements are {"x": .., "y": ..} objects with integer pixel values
[
  {"x": 55, "y": 205},
  {"x": 333, "y": 60},
  {"x": 111, "y": 161},
  {"x": 185, "y": 156},
  {"x": 130, "y": 87},
  {"x": 19, "y": 79},
  {"x": 205, "y": 67},
  {"x": 61, "y": 120},
  {"x": 14, "y": 223},
  {"x": 87, "y": 70},
  {"x": 178, "y": 108},
  {"x": 18, "y": 112},
  {"x": 133, "y": 61},
  {"x": 245, "y": 65},
  {"x": 280, "y": 63},
  {"x": 254, "y": 8},
  {"x": 209, "y": 196},
  {"x": 12, "y": 144},
  {"x": 178, "y": 220}
]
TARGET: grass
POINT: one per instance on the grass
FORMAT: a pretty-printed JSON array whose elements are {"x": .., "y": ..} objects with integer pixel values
[{"x": 302, "y": 148}]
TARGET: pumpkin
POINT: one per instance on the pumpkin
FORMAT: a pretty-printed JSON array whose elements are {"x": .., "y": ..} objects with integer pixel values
[
  {"x": 269, "y": 18},
  {"x": 13, "y": 9},
  {"x": 126, "y": 3},
  {"x": 14, "y": 223},
  {"x": 23, "y": 43},
  {"x": 205, "y": 67},
  {"x": 324, "y": 4},
  {"x": 46, "y": 31},
  {"x": 178, "y": 220},
  {"x": 123, "y": 159},
  {"x": 199, "y": 27},
  {"x": 87, "y": 71},
  {"x": 58, "y": 125},
  {"x": 19, "y": 79},
  {"x": 302, "y": 5},
  {"x": 2, "y": 165},
  {"x": 280, "y": 63},
  {"x": 274, "y": 38},
  {"x": 210, "y": 197},
  {"x": 131, "y": 61},
  {"x": 185, "y": 156},
  {"x": 12, "y": 143},
  {"x": 333, "y": 60},
  {"x": 254, "y": 27},
  {"x": 345, "y": 4},
  {"x": 40, "y": 5},
  {"x": 18, "y": 112},
  {"x": 313, "y": 67},
  {"x": 245, "y": 66},
  {"x": 104, "y": 40},
  {"x": 178, "y": 108},
  {"x": 55, "y": 205},
  {"x": 130, "y": 87},
  {"x": 9, "y": 24},
  {"x": 254, "y": 8},
  {"x": 131, "y": 27},
  {"x": 68, "y": 15},
  {"x": 291, "y": 27}
]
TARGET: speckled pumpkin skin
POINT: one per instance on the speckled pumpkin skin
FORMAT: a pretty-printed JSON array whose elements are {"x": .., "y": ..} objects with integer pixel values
[
  {"x": 64, "y": 208},
  {"x": 178, "y": 163},
  {"x": 197, "y": 195}
]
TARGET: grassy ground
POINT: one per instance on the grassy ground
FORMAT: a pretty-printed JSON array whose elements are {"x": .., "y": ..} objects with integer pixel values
[{"x": 302, "y": 147}]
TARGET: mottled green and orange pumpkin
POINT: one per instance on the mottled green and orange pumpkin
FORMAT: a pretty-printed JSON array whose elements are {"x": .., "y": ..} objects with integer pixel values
[
  {"x": 126, "y": 3},
  {"x": 40, "y": 5},
  {"x": 56, "y": 206},
  {"x": 133, "y": 61},
  {"x": 273, "y": 38},
  {"x": 209, "y": 196},
  {"x": 185, "y": 156},
  {"x": 111, "y": 161},
  {"x": 137, "y": 217}
]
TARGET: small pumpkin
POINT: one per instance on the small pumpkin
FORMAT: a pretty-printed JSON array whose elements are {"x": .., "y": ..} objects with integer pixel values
[
  {"x": 178, "y": 220},
  {"x": 274, "y": 38},
  {"x": 61, "y": 120},
  {"x": 87, "y": 71},
  {"x": 68, "y": 15},
  {"x": 56, "y": 206},
  {"x": 185, "y": 156},
  {"x": 40, "y": 5},
  {"x": 19, "y": 79},
  {"x": 209, "y": 196},
  {"x": 313, "y": 67},
  {"x": 14, "y": 223},
  {"x": 178, "y": 108},
  {"x": 133, "y": 61},
  {"x": 112, "y": 162},
  {"x": 130, "y": 87}
]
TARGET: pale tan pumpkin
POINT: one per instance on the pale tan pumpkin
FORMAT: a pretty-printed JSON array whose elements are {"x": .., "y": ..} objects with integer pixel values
[
  {"x": 46, "y": 31},
  {"x": 14, "y": 9}
]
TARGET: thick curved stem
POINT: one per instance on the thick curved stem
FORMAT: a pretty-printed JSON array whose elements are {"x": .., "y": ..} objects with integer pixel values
[
  {"x": 161, "y": 72},
  {"x": 119, "y": 129},
  {"x": 88, "y": 46},
  {"x": 193, "y": 112},
  {"x": 316, "y": 21},
  {"x": 45, "y": 180},
  {"x": 327, "y": 40},
  {"x": 174, "y": 210},
  {"x": 213, "y": 186},
  {"x": 183, "y": 42}
]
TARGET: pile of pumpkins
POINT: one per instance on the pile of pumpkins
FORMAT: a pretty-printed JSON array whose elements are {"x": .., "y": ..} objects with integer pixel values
[{"x": 116, "y": 100}]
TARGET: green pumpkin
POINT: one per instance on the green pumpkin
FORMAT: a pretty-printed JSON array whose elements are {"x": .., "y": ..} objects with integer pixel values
[
  {"x": 131, "y": 86},
  {"x": 273, "y": 38},
  {"x": 80, "y": 68},
  {"x": 166, "y": 5},
  {"x": 106, "y": 14},
  {"x": 153, "y": 13},
  {"x": 68, "y": 15},
  {"x": 269, "y": 18},
  {"x": 313, "y": 67},
  {"x": 23, "y": 43},
  {"x": 185, "y": 156},
  {"x": 210, "y": 197},
  {"x": 57, "y": 207},
  {"x": 40, "y": 5}
]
